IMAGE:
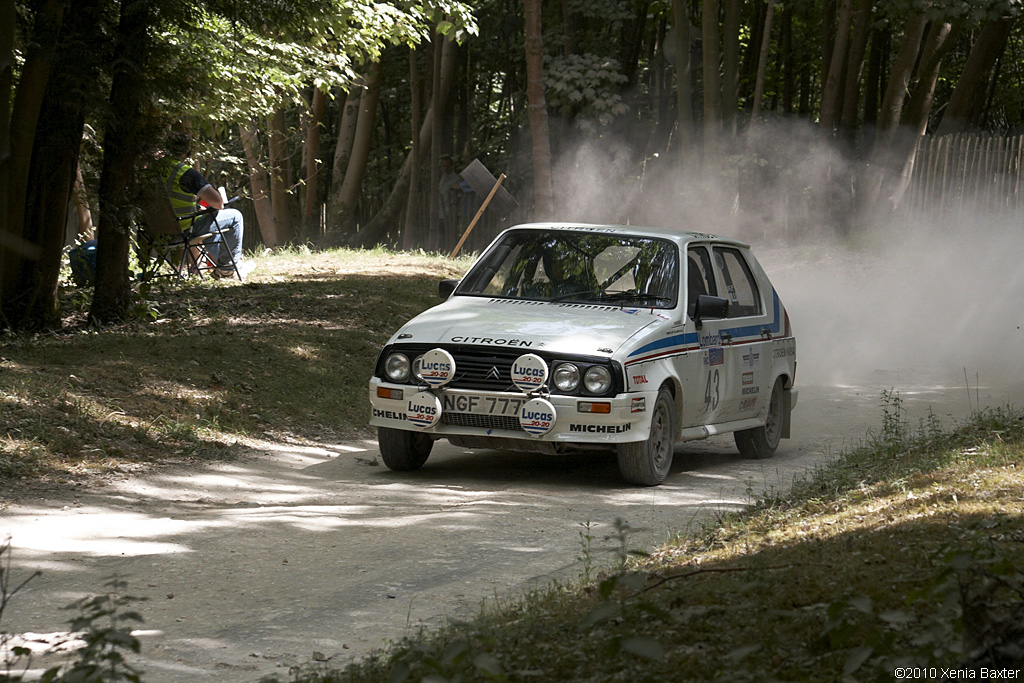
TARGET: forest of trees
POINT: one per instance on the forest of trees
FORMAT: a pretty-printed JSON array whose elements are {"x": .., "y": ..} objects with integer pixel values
[{"x": 332, "y": 116}]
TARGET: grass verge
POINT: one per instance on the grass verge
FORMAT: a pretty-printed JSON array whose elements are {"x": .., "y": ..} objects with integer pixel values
[
  {"x": 908, "y": 552},
  {"x": 206, "y": 365}
]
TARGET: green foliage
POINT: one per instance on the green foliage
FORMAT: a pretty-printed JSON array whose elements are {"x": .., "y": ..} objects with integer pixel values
[
  {"x": 894, "y": 428},
  {"x": 586, "y": 555},
  {"x": 586, "y": 86},
  {"x": 101, "y": 635},
  {"x": 980, "y": 581},
  {"x": 972, "y": 11},
  {"x": 254, "y": 69},
  {"x": 105, "y": 628},
  {"x": 15, "y": 657}
]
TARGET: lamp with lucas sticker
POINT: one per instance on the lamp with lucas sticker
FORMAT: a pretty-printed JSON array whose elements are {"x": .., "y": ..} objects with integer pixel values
[{"x": 529, "y": 373}]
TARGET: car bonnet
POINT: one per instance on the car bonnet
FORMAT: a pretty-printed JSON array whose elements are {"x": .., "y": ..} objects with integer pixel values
[{"x": 583, "y": 329}]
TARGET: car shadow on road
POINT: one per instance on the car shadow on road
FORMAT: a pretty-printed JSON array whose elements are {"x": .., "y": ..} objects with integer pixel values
[{"x": 597, "y": 470}]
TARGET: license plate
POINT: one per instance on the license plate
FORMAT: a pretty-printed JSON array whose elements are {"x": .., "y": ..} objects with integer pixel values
[{"x": 477, "y": 404}]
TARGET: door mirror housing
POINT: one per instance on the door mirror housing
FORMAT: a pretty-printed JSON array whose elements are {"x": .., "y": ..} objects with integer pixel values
[
  {"x": 709, "y": 307},
  {"x": 446, "y": 287}
]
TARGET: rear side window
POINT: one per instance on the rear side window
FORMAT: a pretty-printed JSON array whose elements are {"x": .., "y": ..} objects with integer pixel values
[{"x": 738, "y": 280}]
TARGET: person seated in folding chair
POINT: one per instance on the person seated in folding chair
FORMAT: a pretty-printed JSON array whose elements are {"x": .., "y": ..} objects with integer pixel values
[{"x": 186, "y": 186}]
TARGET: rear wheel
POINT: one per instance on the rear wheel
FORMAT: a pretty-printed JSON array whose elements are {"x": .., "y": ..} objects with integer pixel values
[
  {"x": 402, "y": 450},
  {"x": 648, "y": 462},
  {"x": 761, "y": 442}
]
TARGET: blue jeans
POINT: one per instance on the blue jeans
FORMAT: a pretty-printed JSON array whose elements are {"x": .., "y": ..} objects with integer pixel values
[{"x": 225, "y": 218}]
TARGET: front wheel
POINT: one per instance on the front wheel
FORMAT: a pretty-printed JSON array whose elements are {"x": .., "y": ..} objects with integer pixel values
[
  {"x": 647, "y": 462},
  {"x": 761, "y": 442},
  {"x": 402, "y": 450}
]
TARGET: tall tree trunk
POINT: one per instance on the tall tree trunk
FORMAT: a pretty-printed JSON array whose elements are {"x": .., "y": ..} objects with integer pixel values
[
  {"x": 965, "y": 105},
  {"x": 53, "y": 170},
  {"x": 311, "y": 214},
  {"x": 833, "y": 84},
  {"x": 788, "y": 62},
  {"x": 885, "y": 156},
  {"x": 28, "y": 100},
  {"x": 570, "y": 27},
  {"x": 123, "y": 146},
  {"x": 762, "y": 62},
  {"x": 731, "y": 65},
  {"x": 343, "y": 148},
  {"x": 543, "y": 192},
  {"x": 827, "y": 43},
  {"x": 81, "y": 199},
  {"x": 937, "y": 44},
  {"x": 435, "y": 230},
  {"x": 854, "y": 68},
  {"x": 940, "y": 39},
  {"x": 279, "y": 181},
  {"x": 899, "y": 78},
  {"x": 875, "y": 82},
  {"x": 387, "y": 216},
  {"x": 633, "y": 39},
  {"x": 7, "y": 18},
  {"x": 684, "y": 76},
  {"x": 350, "y": 189},
  {"x": 712, "y": 80},
  {"x": 258, "y": 183},
  {"x": 413, "y": 219}
]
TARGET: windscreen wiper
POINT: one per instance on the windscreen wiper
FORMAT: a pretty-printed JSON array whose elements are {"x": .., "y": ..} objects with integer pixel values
[{"x": 636, "y": 297}]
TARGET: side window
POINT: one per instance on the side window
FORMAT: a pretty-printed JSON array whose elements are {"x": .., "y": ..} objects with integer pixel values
[
  {"x": 741, "y": 289},
  {"x": 700, "y": 278}
]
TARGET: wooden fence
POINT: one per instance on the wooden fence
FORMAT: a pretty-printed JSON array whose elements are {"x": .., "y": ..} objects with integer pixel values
[{"x": 968, "y": 173}]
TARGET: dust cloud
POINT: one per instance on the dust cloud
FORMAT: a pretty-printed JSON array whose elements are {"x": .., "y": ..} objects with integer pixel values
[{"x": 915, "y": 298}]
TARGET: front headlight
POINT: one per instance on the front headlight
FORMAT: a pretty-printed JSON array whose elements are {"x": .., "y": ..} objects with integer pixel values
[
  {"x": 397, "y": 367},
  {"x": 597, "y": 379},
  {"x": 566, "y": 377}
]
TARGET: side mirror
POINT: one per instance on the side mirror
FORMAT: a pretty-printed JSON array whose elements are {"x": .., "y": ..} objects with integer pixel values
[
  {"x": 710, "y": 307},
  {"x": 446, "y": 287}
]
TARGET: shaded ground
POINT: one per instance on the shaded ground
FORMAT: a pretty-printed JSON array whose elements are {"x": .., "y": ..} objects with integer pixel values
[{"x": 315, "y": 550}]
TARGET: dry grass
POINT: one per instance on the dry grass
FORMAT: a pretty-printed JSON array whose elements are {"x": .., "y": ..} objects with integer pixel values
[{"x": 206, "y": 365}]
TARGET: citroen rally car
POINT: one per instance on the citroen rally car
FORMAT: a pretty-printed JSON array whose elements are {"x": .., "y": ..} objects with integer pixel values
[{"x": 565, "y": 336}]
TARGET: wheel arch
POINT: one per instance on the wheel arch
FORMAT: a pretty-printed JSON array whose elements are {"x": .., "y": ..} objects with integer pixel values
[
  {"x": 675, "y": 390},
  {"x": 787, "y": 400}
]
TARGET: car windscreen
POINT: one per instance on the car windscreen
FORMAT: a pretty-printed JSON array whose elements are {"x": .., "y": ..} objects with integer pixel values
[{"x": 579, "y": 267}]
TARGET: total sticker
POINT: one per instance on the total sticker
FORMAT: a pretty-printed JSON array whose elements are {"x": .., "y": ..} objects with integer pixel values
[
  {"x": 537, "y": 417},
  {"x": 529, "y": 372},
  {"x": 436, "y": 367},
  {"x": 423, "y": 410}
]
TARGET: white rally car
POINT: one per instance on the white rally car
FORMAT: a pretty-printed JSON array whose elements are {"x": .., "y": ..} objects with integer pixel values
[{"x": 570, "y": 336}]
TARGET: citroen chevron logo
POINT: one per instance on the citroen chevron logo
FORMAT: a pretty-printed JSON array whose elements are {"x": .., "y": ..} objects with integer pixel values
[{"x": 493, "y": 373}]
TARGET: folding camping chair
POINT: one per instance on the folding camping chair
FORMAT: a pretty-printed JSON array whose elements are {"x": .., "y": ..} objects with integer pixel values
[{"x": 161, "y": 239}]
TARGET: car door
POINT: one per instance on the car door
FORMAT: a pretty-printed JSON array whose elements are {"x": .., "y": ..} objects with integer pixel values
[
  {"x": 704, "y": 368},
  {"x": 745, "y": 389}
]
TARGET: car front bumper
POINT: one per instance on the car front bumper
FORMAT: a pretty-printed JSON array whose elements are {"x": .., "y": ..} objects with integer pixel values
[{"x": 625, "y": 417}]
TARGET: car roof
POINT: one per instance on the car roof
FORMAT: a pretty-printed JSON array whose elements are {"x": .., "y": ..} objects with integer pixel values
[{"x": 681, "y": 237}]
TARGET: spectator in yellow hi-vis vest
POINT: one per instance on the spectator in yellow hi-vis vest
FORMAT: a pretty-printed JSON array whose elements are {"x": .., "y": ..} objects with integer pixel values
[{"x": 187, "y": 187}]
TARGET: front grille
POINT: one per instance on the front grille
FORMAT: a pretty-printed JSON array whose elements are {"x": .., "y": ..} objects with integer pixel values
[
  {"x": 489, "y": 369},
  {"x": 483, "y": 421}
]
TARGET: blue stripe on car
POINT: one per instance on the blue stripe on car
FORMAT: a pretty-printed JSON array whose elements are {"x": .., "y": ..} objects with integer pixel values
[{"x": 687, "y": 339}]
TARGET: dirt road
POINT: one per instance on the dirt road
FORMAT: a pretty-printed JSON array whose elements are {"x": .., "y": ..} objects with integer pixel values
[{"x": 318, "y": 551}]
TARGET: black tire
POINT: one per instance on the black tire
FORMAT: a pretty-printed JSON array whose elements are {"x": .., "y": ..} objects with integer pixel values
[
  {"x": 647, "y": 462},
  {"x": 402, "y": 450},
  {"x": 761, "y": 442}
]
